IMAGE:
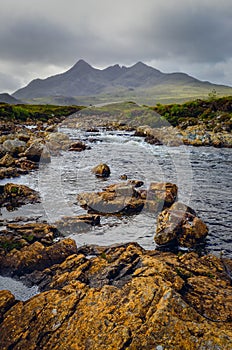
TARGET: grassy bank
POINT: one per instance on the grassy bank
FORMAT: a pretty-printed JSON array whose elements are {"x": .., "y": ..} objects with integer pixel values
[{"x": 25, "y": 112}]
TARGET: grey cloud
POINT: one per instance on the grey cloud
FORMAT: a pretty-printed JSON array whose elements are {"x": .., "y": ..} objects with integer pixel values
[
  {"x": 8, "y": 82},
  {"x": 179, "y": 33},
  {"x": 37, "y": 40}
]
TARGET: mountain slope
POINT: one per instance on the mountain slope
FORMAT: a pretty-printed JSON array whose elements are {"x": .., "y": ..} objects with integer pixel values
[
  {"x": 7, "y": 98},
  {"x": 84, "y": 80}
]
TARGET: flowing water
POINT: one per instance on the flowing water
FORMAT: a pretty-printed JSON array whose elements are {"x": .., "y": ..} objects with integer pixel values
[{"x": 203, "y": 176}]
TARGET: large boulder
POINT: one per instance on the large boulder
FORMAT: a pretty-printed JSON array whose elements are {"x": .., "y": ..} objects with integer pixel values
[{"x": 179, "y": 225}]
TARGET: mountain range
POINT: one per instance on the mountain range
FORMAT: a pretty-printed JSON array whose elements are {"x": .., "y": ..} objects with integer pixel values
[{"x": 84, "y": 83}]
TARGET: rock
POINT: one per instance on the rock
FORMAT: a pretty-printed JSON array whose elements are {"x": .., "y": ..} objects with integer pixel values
[
  {"x": 15, "y": 146},
  {"x": 71, "y": 225},
  {"x": 160, "y": 195},
  {"x": 36, "y": 152},
  {"x": 51, "y": 128},
  {"x": 115, "y": 199},
  {"x": 152, "y": 140},
  {"x": 57, "y": 137},
  {"x": 125, "y": 298},
  {"x": 19, "y": 235},
  {"x": 36, "y": 257},
  {"x": 179, "y": 225},
  {"x": 8, "y": 172},
  {"x": 7, "y": 300},
  {"x": 26, "y": 164},
  {"x": 7, "y": 161},
  {"x": 123, "y": 177},
  {"x": 77, "y": 146},
  {"x": 101, "y": 170},
  {"x": 23, "y": 136},
  {"x": 14, "y": 195},
  {"x": 2, "y": 151}
]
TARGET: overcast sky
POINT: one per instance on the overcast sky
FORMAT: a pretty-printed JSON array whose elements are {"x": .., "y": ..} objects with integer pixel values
[{"x": 39, "y": 38}]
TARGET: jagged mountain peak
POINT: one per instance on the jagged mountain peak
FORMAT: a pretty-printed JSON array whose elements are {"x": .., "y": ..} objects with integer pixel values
[{"x": 81, "y": 66}]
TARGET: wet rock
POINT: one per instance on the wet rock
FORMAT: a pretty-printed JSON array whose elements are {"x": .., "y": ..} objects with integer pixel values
[
  {"x": 7, "y": 161},
  {"x": 14, "y": 195},
  {"x": 160, "y": 195},
  {"x": 180, "y": 225},
  {"x": 71, "y": 225},
  {"x": 37, "y": 151},
  {"x": 123, "y": 177},
  {"x": 101, "y": 170},
  {"x": 78, "y": 146},
  {"x": 115, "y": 199},
  {"x": 125, "y": 298},
  {"x": 36, "y": 257}
]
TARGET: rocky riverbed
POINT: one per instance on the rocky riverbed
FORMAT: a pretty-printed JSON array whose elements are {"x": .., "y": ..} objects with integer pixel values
[{"x": 119, "y": 296}]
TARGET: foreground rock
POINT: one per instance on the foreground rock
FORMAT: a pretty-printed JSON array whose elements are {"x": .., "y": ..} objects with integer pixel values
[
  {"x": 123, "y": 298},
  {"x": 180, "y": 225}
]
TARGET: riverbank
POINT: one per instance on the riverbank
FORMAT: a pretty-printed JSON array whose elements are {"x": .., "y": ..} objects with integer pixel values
[{"x": 114, "y": 297}]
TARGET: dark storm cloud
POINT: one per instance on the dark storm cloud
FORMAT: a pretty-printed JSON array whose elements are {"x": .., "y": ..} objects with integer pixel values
[
  {"x": 202, "y": 35},
  {"x": 177, "y": 33},
  {"x": 37, "y": 40}
]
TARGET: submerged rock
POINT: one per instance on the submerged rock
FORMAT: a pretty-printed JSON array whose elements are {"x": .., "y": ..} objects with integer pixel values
[
  {"x": 180, "y": 225},
  {"x": 101, "y": 170},
  {"x": 124, "y": 298}
]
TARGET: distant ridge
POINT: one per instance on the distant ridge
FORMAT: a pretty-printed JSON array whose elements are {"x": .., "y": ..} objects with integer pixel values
[
  {"x": 7, "y": 98},
  {"x": 84, "y": 80}
]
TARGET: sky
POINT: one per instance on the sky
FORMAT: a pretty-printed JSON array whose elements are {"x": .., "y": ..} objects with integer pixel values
[{"x": 40, "y": 38}]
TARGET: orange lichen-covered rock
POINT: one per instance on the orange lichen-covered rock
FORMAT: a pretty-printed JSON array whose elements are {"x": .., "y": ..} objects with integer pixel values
[{"x": 123, "y": 297}]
